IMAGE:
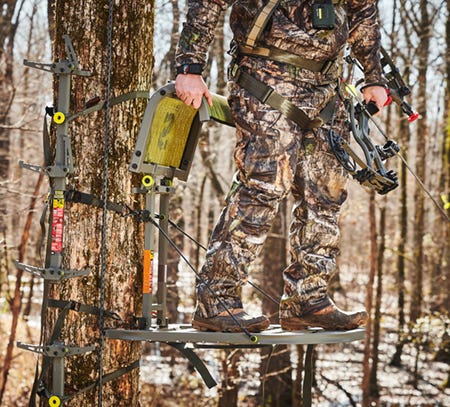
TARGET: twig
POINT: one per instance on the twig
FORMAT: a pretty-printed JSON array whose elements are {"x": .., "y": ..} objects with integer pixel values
[{"x": 340, "y": 387}]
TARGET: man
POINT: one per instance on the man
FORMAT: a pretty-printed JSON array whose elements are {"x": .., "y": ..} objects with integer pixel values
[{"x": 282, "y": 79}]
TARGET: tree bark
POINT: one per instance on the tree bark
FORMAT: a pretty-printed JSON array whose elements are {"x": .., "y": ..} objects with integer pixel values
[
  {"x": 9, "y": 17},
  {"x": 276, "y": 370},
  {"x": 366, "y": 400},
  {"x": 404, "y": 132},
  {"x": 86, "y": 22},
  {"x": 422, "y": 137}
]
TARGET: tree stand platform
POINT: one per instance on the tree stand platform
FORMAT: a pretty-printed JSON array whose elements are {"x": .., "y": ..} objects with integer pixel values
[{"x": 184, "y": 338}]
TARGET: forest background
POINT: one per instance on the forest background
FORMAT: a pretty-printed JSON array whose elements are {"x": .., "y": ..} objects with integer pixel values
[{"x": 395, "y": 248}]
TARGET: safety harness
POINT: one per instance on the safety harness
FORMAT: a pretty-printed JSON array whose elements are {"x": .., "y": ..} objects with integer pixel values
[{"x": 266, "y": 94}]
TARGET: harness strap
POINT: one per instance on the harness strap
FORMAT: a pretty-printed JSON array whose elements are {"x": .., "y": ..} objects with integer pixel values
[
  {"x": 279, "y": 55},
  {"x": 261, "y": 21},
  {"x": 266, "y": 94}
]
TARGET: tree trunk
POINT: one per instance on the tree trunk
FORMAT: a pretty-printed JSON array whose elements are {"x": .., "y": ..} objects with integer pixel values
[
  {"x": 9, "y": 17},
  {"x": 404, "y": 132},
  {"x": 374, "y": 391},
  {"x": 297, "y": 396},
  {"x": 276, "y": 370},
  {"x": 366, "y": 400},
  {"x": 401, "y": 249},
  {"x": 422, "y": 136},
  {"x": 86, "y": 22},
  {"x": 445, "y": 180}
]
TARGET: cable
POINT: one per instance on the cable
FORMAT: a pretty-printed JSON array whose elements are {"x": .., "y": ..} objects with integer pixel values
[
  {"x": 252, "y": 337},
  {"x": 412, "y": 172},
  {"x": 255, "y": 286}
]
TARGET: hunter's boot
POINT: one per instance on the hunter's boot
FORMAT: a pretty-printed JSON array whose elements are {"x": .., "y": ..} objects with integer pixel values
[
  {"x": 224, "y": 322},
  {"x": 326, "y": 315}
]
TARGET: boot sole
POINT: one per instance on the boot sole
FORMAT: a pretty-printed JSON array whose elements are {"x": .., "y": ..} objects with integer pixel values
[
  {"x": 205, "y": 327},
  {"x": 286, "y": 326},
  {"x": 301, "y": 326}
]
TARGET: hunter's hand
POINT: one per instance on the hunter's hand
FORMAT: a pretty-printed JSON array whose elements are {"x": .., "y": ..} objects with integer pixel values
[
  {"x": 191, "y": 88},
  {"x": 376, "y": 94}
]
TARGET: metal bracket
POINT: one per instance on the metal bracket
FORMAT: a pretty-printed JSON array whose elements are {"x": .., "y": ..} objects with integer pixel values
[
  {"x": 69, "y": 66},
  {"x": 58, "y": 170},
  {"x": 51, "y": 274},
  {"x": 56, "y": 350},
  {"x": 198, "y": 364},
  {"x": 52, "y": 171},
  {"x": 33, "y": 167}
]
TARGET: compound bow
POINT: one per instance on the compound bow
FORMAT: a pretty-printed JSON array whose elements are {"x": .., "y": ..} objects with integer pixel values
[{"x": 370, "y": 170}]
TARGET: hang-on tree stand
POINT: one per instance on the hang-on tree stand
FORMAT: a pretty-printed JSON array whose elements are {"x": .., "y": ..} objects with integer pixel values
[{"x": 163, "y": 152}]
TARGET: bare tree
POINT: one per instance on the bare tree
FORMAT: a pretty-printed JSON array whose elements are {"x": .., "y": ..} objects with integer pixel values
[
  {"x": 423, "y": 32},
  {"x": 276, "y": 369},
  {"x": 10, "y": 13}
]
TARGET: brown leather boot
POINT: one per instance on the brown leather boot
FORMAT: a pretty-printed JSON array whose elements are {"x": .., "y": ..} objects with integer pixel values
[
  {"x": 330, "y": 318},
  {"x": 225, "y": 323}
]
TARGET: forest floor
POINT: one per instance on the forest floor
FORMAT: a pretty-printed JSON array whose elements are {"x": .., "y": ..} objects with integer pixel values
[{"x": 168, "y": 381}]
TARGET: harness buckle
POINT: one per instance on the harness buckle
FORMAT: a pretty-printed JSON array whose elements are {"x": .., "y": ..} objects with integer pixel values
[
  {"x": 266, "y": 95},
  {"x": 327, "y": 66},
  {"x": 75, "y": 306},
  {"x": 233, "y": 71}
]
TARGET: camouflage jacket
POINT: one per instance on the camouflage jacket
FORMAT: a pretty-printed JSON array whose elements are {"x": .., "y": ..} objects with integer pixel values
[{"x": 290, "y": 29}]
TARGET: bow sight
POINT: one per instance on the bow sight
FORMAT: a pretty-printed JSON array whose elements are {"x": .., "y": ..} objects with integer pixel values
[{"x": 370, "y": 170}]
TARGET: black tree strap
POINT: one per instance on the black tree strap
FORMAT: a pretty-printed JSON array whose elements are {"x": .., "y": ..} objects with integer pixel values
[
  {"x": 46, "y": 138},
  {"x": 71, "y": 305},
  {"x": 72, "y": 195}
]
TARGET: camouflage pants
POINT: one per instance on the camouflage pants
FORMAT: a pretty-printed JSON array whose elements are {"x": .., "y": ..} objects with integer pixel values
[{"x": 274, "y": 157}]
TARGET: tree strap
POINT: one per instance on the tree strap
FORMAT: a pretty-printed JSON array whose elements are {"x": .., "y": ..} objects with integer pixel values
[
  {"x": 72, "y": 195},
  {"x": 266, "y": 94},
  {"x": 79, "y": 307}
]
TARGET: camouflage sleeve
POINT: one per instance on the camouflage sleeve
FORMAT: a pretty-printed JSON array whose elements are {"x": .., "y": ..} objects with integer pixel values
[
  {"x": 198, "y": 30},
  {"x": 365, "y": 38}
]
